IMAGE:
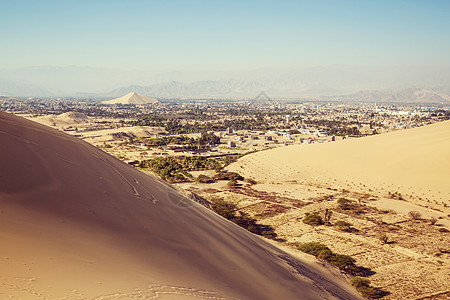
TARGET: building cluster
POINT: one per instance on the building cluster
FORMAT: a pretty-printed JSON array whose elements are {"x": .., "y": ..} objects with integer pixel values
[{"x": 241, "y": 126}]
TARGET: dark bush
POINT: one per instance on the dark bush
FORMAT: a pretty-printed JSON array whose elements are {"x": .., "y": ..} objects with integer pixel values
[
  {"x": 223, "y": 208},
  {"x": 342, "y": 225},
  {"x": 362, "y": 285},
  {"x": 228, "y": 176},
  {"x": 229, "y": 211},
  {"x": 345, "y": 204},
  {"x": 270, "y": 234},
  {"x": 415, "y": 215},
  {"x": 344, "y": 262},
  {"x": 384, "y": 238},
  {"x": 313, "y": 248},
  {"x": 244, "y": 220},
  {"x": 250, "y": 181},
  {"x": 204, "y": 179},
  {"x": 396, "y": 195},
  {"x": 232, "y": 183},
  {"x": 326, "y": 255},
  {"x": 313, "y": 220}
]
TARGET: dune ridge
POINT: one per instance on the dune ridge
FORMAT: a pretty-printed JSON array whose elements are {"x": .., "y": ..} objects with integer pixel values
[
  {"x": 64, "y": 119},
  {"x": 78, "y": 223}
]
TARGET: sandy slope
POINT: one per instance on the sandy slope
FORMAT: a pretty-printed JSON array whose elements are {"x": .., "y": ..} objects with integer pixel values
[
  {"x": 76, "y": 223},
  {"x": 108, "y": 135},
  {"x": 63, "y": 120},
  {"x": 414, "y": 162}
]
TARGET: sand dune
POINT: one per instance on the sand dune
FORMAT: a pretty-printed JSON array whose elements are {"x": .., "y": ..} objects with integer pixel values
[
  {"x": 63, "y": 120},
  {"x": 108, "y": 135},
  {"x": 131, "y": 98},
  {"x": 414, "y": 162},
  {"x": 77, "y": 223},
  {"x": 73, "y": 117}
]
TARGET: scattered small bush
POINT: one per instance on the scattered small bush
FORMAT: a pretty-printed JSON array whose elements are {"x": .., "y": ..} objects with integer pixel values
[
  {"x": 230, "y": 211},
  {"x": 396, "y": 195},
  {"x": 232, "y": 183},
  {"x": 344, "y": 226},
  {"x": 204, "y": 179},
  {"x": 345, "y": 204},
  {"x": 250, "y": 181},
  {"x": 313, "y": 248},
  {"x": 344, "y": 262},
  {"x": 270, "y": 234},
  {"x": 359, "y": 282},
  {"x": 443, "y": 230},
  {"x": 383, "y": 238},
  {"x": 415, "y": 215},
  {"x": 362, "y": 285},
  {"x": 223, "y": 208},
  {"x": 228, "y": 176},
  {"x": 433, "y": 221},
  {"x": 244, "y": 220},
  {"x": 313, "y": 220}
]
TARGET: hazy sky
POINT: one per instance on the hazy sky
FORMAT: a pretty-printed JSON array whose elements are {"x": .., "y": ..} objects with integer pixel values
[{"x": 223, "y": 35}]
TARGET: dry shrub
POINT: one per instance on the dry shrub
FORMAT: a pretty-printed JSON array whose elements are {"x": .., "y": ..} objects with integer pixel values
[
  {"x": 342, "y": 225},
  {"x": 415, "y": 215},
  {"x": 383, "y": 238}
]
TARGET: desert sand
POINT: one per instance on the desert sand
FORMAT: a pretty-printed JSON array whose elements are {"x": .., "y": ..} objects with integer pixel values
[
  {"x": 63, "y": 120},
  {"x": 414, "y": 162},
  {"x": 108, "y": 135},
  {"x": 131, "y": 98},
  {"x": 299, "y": 179},
  {"x": 76, "y": 223}
]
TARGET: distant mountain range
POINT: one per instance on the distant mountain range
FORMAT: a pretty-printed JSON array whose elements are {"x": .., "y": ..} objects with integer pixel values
[
  {"x": 412, "y": 84},
  {"x": 206, "y": 89},
  {"x": 212, "y": 90},
  {"x": 411, "y": 95},
  {"x": 11, "y": 88}
]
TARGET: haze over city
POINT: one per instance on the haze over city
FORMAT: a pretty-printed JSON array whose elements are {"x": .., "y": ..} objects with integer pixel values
[{"x": 61, "y": 48}]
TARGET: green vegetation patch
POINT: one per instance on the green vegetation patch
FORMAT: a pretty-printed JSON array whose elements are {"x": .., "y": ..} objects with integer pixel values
[
  {"x": 362, "y": 285},
  {"x": 167, "y": 168},
  {"x": 313, "y": 220},
  {"x": 345, "y": 263},
  {"x": 346, "y": 204},
  {"x": 344, "y": 226},
  {"x": 175, "y": 169},
  {"x": 228, "y": 176},
  {"x": 204, "y": 179}
]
